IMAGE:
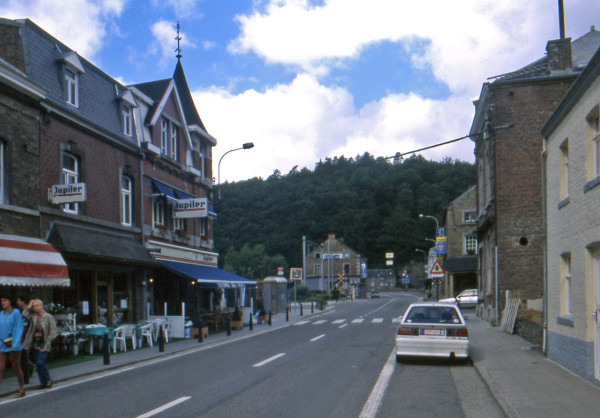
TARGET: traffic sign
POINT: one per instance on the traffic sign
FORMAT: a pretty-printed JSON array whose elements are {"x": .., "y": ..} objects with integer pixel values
[{"x": 437, "y": 269}]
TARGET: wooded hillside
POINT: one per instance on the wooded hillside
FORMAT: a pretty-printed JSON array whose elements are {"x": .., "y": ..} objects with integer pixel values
[{"x": 373, "y": 204}]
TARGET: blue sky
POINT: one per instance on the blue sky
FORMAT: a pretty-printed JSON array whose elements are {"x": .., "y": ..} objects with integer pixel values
[{"x": 305, "y": 79}]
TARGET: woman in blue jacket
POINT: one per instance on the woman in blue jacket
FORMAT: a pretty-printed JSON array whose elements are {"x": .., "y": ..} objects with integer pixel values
[{"x": 11, "y": 331}]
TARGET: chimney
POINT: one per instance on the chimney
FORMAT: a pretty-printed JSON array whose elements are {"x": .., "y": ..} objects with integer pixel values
[{"x": 559, "y": 55}]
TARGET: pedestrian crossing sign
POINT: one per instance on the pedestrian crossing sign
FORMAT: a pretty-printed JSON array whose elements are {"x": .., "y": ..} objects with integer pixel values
[{"x": 437, "y": 269}]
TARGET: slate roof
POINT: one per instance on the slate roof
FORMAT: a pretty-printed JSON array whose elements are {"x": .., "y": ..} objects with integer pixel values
[
  {"x": 43, "y": 58},
  {"x": 582, "y": 50}
]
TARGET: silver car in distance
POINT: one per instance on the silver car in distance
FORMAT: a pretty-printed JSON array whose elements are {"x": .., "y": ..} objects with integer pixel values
[{"x": 432, "y": 329}]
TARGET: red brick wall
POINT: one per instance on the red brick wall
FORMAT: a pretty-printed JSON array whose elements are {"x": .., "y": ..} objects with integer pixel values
[
  {"x": 101, "y": 167},
  {"x": 518, "y": 181}
]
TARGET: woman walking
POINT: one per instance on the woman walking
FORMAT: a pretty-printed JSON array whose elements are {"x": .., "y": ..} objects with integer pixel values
[
  {"x": 11, "y": 331},
  {"x": 42, "y": 330}
]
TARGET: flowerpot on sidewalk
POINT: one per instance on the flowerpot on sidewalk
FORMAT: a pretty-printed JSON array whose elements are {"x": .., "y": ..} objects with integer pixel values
[
  {"x": 262, "y": 318},
  {"x": 239, "y": 325},
  {"x": 204, "y": 332}
]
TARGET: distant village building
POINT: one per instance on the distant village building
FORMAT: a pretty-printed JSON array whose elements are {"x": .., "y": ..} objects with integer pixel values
[
  {"x": 571, "y": 168},
  {"x": 333, "y": 264},
  {"x": 509, "y": 114}
]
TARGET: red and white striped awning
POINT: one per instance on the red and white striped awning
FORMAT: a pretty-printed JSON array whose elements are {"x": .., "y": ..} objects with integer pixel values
[{"x": 28, "y": 261}]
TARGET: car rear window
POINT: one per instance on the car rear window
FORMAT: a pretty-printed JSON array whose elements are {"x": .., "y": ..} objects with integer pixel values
[{"x": 433, "y": 315}]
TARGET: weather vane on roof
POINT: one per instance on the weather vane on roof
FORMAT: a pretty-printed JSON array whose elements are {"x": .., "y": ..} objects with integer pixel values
[{"x": 178, "y": 38}]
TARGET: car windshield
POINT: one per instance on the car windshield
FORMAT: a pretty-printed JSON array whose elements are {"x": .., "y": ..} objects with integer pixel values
[{"x": 433, "y": 315}]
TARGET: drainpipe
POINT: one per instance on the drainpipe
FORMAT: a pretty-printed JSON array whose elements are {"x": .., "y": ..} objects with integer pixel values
[
  {"x": 545, "y": 256},
  {"x": 496, "y": 279}
]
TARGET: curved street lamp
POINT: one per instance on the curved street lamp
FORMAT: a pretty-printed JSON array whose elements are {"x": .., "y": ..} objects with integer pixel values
[
  {"x": 247, "y": 145},
  {"x": 424, "y": 254}
]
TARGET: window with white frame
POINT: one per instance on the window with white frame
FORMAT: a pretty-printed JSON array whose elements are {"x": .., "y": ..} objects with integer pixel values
[
  {"x": 470, "y": 243},
  {"x": 178, "y": 224},
  {"x": 469, "y": 216},
  {"x": 564, "y": 170},
  {"x": 173, "y": 143},
  {"x": 127, "y": 120},
  {"x": 2, "y": 171},
  {"x": 201, "y": 153},
  {"x": 203, "y": 227},
  {"x": 70, "y": 175},
  {"x": 317, "y": 269},
  {"x": 126, "y": 201},
  {"x": 566, "y": 284},
  {"x": 164, "y": 136},
  {"x": 595, "y": 124},
  {"x": 72, "y": 81},
  {"x": 158, "y": 212}
]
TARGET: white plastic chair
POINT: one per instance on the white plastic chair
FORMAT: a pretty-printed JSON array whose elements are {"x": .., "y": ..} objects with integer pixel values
[
  {"x": 147, "y": 332},
  {"x": 130, "y": 333},
  {"x": 119, "y": 338}
]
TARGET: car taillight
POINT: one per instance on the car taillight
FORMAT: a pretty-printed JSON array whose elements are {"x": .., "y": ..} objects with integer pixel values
[
  {"x": 408, "y": 331},
  {"x": 458, "y": 332}
]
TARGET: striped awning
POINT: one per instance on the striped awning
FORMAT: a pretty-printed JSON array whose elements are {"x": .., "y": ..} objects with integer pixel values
[{"x": 28, "y": 261}]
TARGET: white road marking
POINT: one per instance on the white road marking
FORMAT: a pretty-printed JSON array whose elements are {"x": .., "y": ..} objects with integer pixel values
[
  {"x": 301, "y": 322},
  {"x": 343, "y": 325},
  {"x": 396, "y": 319},
  {"x": 164, "y": 407},
  {"x": 319, "y": 322},
  {"x": 270, "y": 359},
  {"x": 370, "y": 407},
  {"x": 357, "y": 320},
  {"x": 318, "y": 338},
  {"x": 377, "y": 320},
  {"x": 338, "y": 321}
]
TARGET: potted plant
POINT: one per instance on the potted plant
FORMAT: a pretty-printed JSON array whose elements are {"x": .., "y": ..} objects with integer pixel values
[
  {"x": 197, "y": 321},
  {"x": 236, "y": 318},
  {"x": 263, "y": 315}
]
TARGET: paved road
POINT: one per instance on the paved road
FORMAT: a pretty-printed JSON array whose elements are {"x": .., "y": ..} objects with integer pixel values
[{"x": 327, "y": 366}]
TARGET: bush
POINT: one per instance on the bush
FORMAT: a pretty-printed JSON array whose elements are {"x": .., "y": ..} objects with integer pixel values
[{"x": 302, "y": 293}]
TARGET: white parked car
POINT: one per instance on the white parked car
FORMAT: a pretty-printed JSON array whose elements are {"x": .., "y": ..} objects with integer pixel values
[
  {"x": 432, "y": 329},
  {"x": 465, "y": 299}
]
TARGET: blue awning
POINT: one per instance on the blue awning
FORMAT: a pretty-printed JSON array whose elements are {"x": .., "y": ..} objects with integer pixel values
[
  {"x": 211, "y": 277},
  {"x": 164, "y": 189},
  {"x": 182, "y": 195}
]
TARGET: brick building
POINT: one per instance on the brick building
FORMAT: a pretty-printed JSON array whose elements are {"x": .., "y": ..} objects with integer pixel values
[
  {"x": 508, "y": 116},
  {"x": 460, "y": 264},
  {"x": 125, "y": 180},
  {"x": 572, "y": 175}
]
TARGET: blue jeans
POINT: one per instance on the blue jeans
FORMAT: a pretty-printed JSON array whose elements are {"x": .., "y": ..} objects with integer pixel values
[{"x": 40, "y": 358}]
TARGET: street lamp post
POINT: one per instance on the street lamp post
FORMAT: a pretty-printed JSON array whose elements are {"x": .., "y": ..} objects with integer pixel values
[
  {"x": 437, "y": 226},
  {"x": 247, "y": 145}
]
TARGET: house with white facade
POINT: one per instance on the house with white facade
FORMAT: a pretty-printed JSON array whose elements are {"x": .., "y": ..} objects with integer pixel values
[{"x": 571, "y": 170}]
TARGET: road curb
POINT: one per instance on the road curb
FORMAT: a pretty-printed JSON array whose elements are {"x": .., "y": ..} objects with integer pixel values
[{"x": 496, "y": 391}]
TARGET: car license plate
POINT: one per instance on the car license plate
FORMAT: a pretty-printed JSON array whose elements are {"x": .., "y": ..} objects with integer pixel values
[{"x": 434, "y": 332}]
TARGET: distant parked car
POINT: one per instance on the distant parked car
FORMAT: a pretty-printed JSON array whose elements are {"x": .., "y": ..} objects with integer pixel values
[
  {"x": 374, "y": 295},
  {"x": 432, "y": 330},
  {"x": 465, "y": 299}
]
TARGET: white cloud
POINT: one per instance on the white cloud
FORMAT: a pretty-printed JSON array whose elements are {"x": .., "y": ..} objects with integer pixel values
[
  {"x": 164, "y": 33},
  {"x": 304, "y": 122},
  {"x": 81, "y": 24}
]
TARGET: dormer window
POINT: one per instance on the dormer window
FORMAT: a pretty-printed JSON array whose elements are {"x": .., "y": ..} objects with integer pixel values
[
  {"x": 72, "y": 68},
  {"x": 126, "y": 120},
  {"x": 72, "y": 83}
]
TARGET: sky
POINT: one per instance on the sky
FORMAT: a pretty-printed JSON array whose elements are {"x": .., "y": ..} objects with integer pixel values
[{"x": 306, "y": 80}]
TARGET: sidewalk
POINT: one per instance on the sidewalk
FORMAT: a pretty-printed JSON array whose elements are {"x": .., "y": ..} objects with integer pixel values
[
  {"x": 523, "y": 381},
  {"x": 9, "y": 386}
]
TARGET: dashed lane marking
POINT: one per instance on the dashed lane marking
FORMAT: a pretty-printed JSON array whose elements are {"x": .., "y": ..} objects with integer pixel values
[
  {"x": 357, "y": 320},
  {"x": 319, "y": 322},
  {"x": 301, "y": 322},
  {"x": 338, "y": 321},
  {"x": 377, "y": 320}
]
